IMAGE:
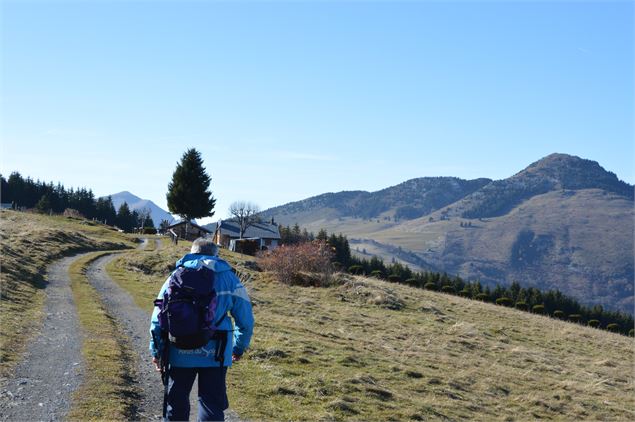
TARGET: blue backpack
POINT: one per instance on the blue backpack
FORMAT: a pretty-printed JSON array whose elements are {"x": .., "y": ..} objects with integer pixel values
[{"x": 187, "y": 310}]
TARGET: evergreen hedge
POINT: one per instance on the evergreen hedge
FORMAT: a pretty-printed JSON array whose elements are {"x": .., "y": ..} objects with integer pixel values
[
  {"x": 430, "y": 286},
  {"x": 447, "y": 288},
  {"x": 375, "y": 273},
  {"x": 504, "y": 301},
  {"x": 575, "y": 317},
  {"x": 538, "y": 309},
  {"x": 394, "y": 278},
  {"x": 355, "y": 269}
]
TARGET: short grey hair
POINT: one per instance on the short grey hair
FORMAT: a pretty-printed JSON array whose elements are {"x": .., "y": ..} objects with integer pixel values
[{"x": 204, "y": 246}]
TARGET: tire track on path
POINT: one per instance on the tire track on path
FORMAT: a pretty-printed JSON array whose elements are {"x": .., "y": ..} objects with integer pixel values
[
  {"x": 136, "y": 324},
  {"x": 52, "y": 368}
]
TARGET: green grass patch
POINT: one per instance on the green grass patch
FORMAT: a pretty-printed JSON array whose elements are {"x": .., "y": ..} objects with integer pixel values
[
  {"x": 28, "y": 244},
  {"x": 142, "y": 272},
  {"x": 106, "y": 392},
  {"x": 151, "y": 244}
]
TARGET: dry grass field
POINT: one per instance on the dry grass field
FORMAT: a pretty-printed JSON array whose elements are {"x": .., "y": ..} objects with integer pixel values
[
  {"x": 370, "y": 350},
  {"x": 28, "y": 244}
]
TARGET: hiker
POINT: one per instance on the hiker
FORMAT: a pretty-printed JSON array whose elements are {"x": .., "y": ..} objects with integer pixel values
[{"x": 186, "y": 350}]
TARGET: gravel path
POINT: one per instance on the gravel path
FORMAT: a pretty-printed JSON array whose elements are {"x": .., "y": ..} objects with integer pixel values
[
  {"x": 52, "y": 367},
  {"x": 136, "y": 323}
]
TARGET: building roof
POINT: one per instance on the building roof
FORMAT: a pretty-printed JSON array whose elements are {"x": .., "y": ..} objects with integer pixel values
[
  {"x": 191, "y": 224},
  {"x": 257, "y": 230}
]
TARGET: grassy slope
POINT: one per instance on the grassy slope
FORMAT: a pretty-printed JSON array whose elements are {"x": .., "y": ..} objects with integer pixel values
[
  {"x": 336, "y": 353},
  {"x": 29, "y": 242}
]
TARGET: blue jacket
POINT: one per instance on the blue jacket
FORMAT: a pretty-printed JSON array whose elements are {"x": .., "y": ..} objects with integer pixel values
[{"x": 232, "y": 298}]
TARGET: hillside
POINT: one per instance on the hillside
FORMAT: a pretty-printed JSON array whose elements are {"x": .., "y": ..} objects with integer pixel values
[
  {"x": 137, "y": 204},
  {"x": 28, "y": 244},
  {"x": 563, "y": 223},
  {"x": 552, "y": 173},
  {"x": 362, "y": 349},
  {"x": 577, "y": 241},
  {"x": 365, "y": 349},
  {"x": 408, "y": 200}
]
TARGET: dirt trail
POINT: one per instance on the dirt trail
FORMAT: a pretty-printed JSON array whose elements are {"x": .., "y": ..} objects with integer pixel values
[
  {"x": 136, "y": 324},
  {"x": 52, "y": 367}
]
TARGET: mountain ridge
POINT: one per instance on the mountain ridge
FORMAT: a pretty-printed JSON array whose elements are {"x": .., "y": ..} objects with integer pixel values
[
  {"x": 138, "y": 204},
  {"x": 563, "y": 222}
]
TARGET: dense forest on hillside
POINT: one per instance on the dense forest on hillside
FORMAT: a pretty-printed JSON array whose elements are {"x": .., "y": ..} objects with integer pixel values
[
  {"x": 552, "y": 302},
  {"x": 26, "y": 193}
]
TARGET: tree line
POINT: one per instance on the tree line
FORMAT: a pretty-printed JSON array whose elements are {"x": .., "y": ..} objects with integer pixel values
[
  {"x": 26, "y": 193},
  {"x": 552, "y": 303}
]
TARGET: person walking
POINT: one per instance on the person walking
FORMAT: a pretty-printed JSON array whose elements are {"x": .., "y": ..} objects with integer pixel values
[{"x": 203, "y": 289}]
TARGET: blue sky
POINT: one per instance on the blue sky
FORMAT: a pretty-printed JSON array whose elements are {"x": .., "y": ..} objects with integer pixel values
[{"x": 286, "y": 100}]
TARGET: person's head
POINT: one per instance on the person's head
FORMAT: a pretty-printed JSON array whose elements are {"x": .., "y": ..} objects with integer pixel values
[{"x": 204, "y": 246}]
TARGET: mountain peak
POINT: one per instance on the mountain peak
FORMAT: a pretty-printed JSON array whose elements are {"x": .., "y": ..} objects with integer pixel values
[
  {"x": 126, "y": 194},
  {"x": 563, "y": 171},
  {"x": 137, "y": 204}
]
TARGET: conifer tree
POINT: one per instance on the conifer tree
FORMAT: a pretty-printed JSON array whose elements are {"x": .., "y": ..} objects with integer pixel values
[
  {"x": 44, "y": 204},
  {"x": 124, "y": 218},
  {"x": 188, "y": 193}
]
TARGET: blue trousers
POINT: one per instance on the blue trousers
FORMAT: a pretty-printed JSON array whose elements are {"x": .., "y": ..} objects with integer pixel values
[{"x": 212, "y": 393}]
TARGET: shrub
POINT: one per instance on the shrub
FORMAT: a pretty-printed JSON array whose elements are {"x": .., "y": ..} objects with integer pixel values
[
  {"x": 613, "y": 327},
  {"x": 594, "y": 323},
  {"x": 430, "y": 286},
  {"x": 482, "y": 296},
  {"x": 575, "y": 317},
  {"x": 412, "y": 282},
  {"x": 290, "y": 263},
  {"x": 522, "y": 306},
  {"x": 504, "y": 301},
  {"x": 44, "y": 204},
  {"x": 465, "y": 293},
  {"x": 538, "y": 309},
  {"x": 447, "y": 289},
  {"x": 394, "y": 278},
  {"x": 558, "y": 314},
  {"x": 72, "y": 213},
  {"x": 376, "y": 274},
  {"x": 355, "y": 269},
  {"x": 149, "y": 230},
  {"x": 631, "y": 332}
]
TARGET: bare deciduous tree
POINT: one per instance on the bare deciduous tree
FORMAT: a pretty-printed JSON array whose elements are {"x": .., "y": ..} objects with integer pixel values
[{"x": 245, "y": 213}]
